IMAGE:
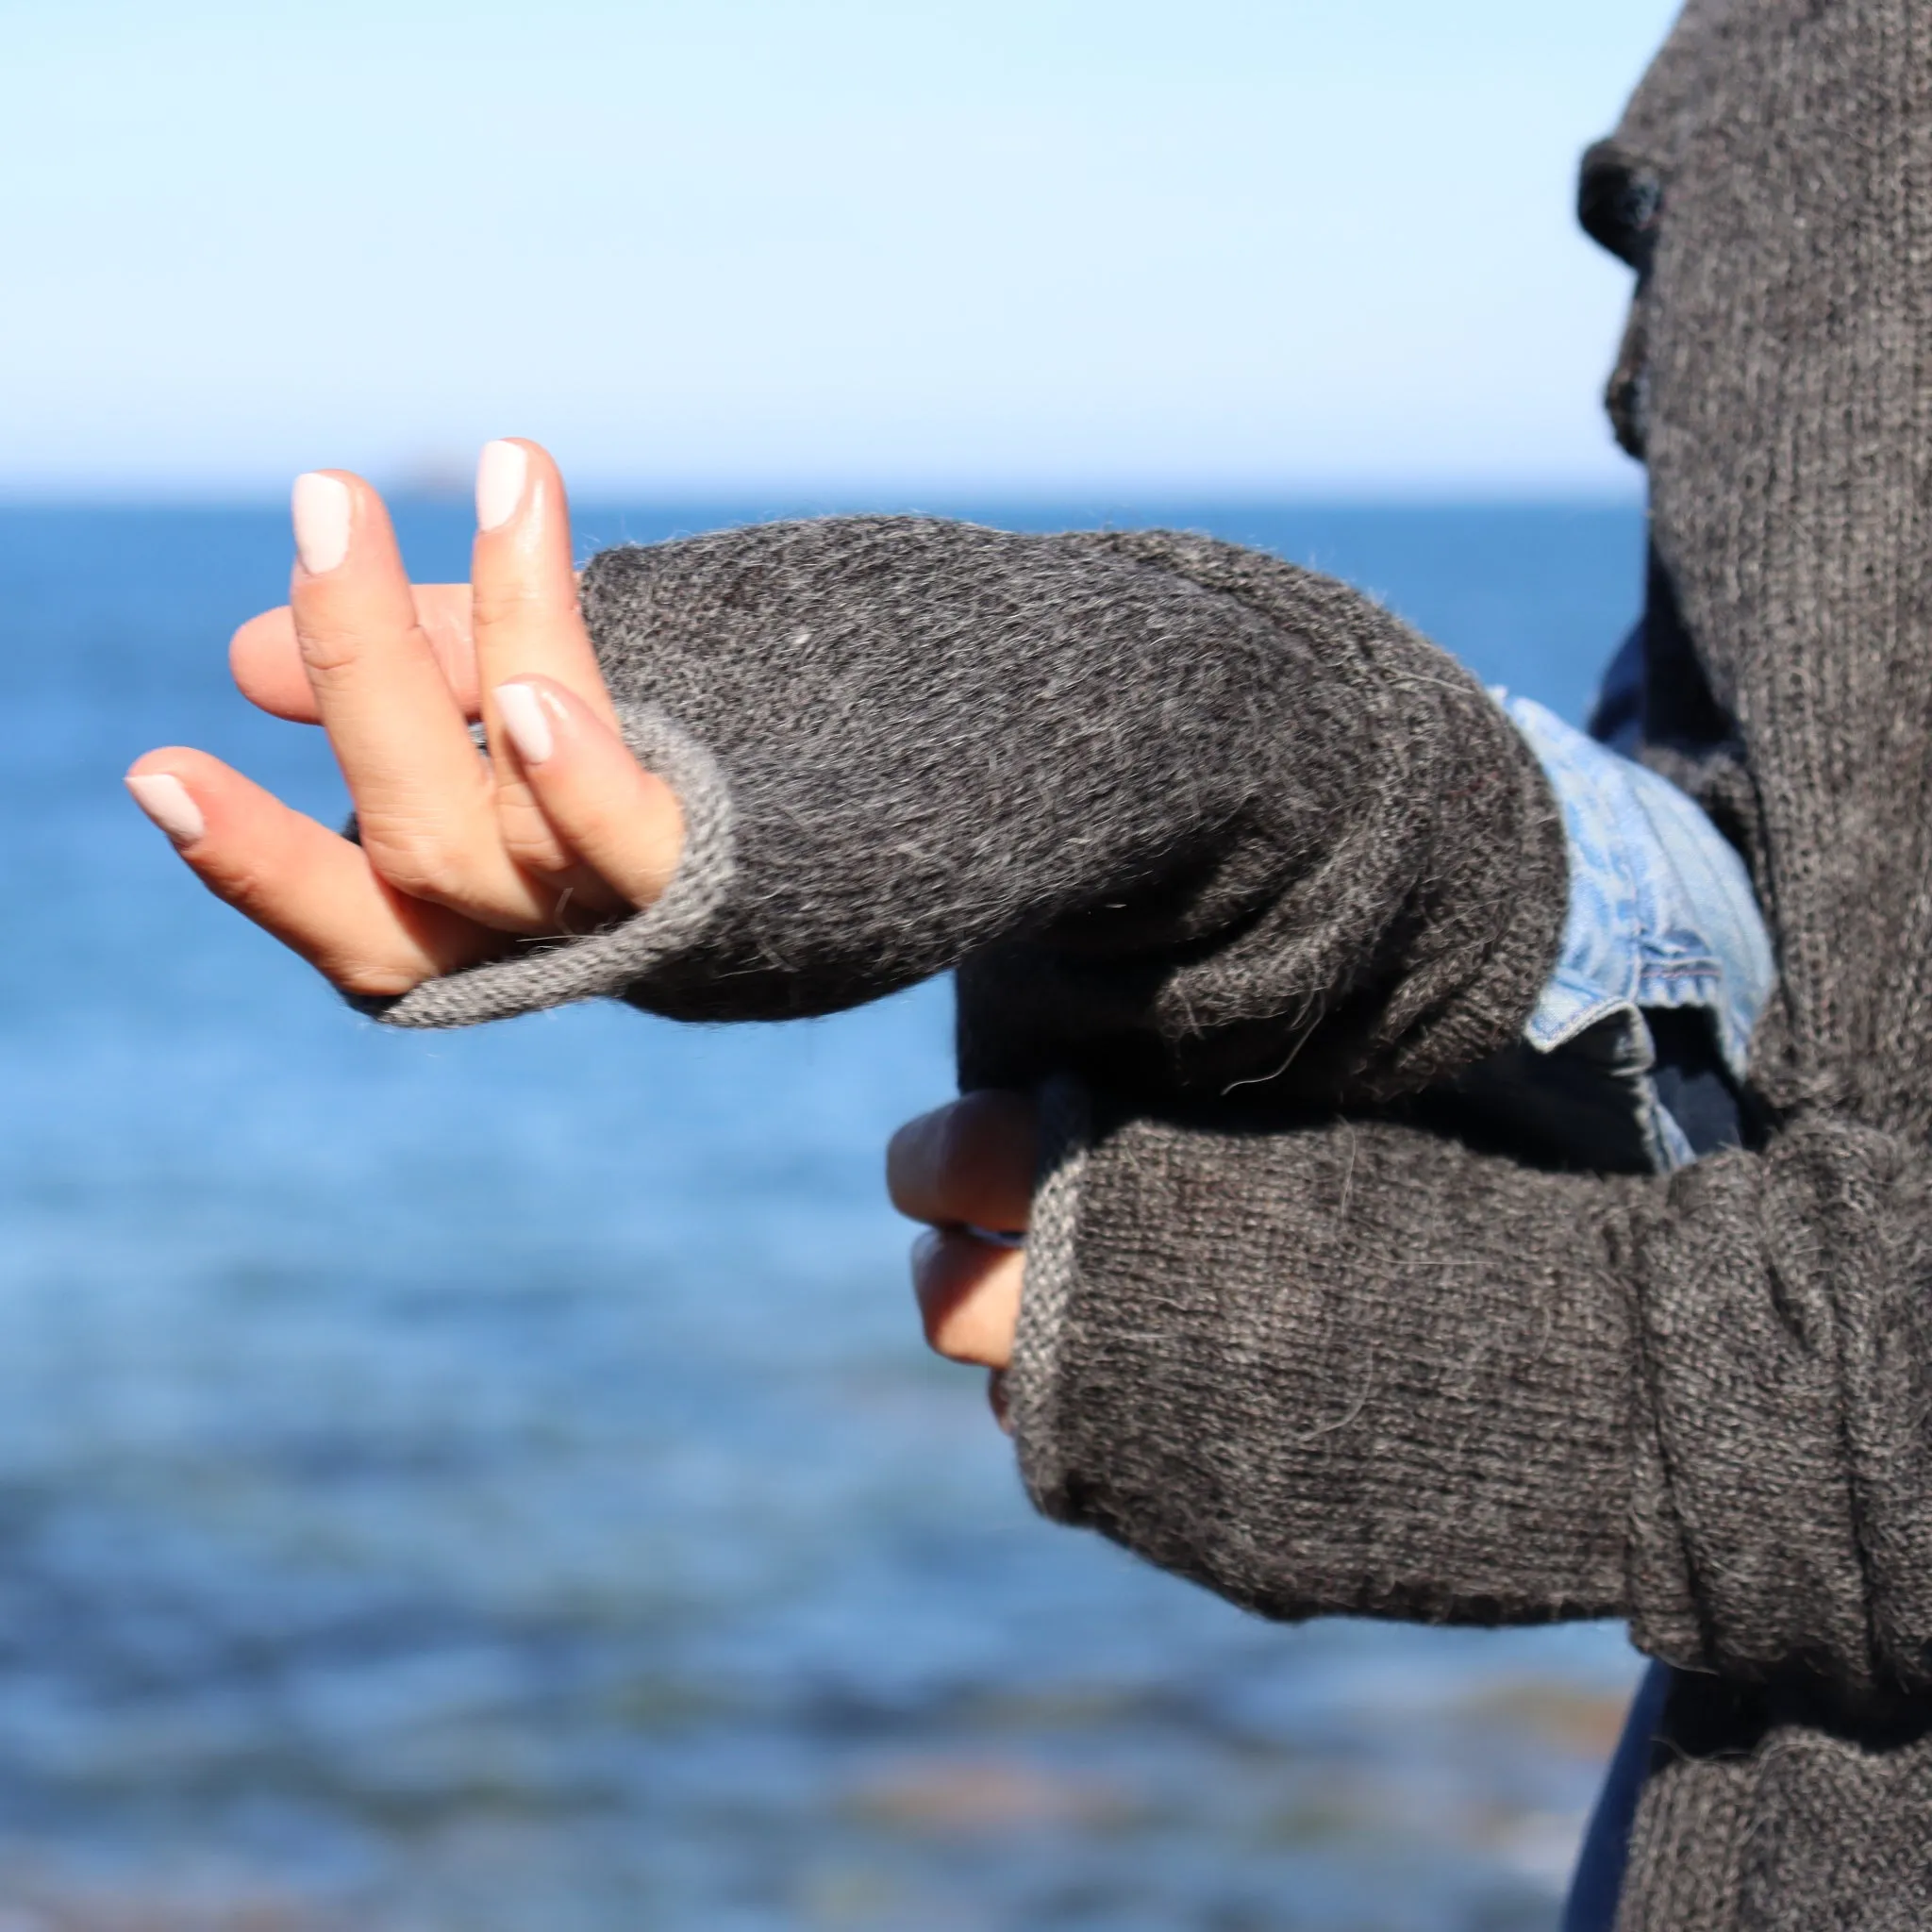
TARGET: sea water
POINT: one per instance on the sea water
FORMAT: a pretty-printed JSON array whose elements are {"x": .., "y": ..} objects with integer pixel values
[{"x": 495, "y": 1481}]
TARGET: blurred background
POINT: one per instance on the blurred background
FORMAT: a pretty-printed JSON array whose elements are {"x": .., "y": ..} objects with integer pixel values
[{"x": 495, "y": 1481}]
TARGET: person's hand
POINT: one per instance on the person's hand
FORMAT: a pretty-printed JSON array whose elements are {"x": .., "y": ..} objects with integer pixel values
[
  {"x": 967, "y": 1170},
  {"x": 461, "y": 855}
]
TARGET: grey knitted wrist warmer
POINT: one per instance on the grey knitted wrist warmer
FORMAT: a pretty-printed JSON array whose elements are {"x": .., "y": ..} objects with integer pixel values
[
  {"x": 1385, "y": 913},
  {"x": 1318, "y": 1370},
  {"x": 1353, "y": 1367},
  {"x": 1218, "y": 803}
]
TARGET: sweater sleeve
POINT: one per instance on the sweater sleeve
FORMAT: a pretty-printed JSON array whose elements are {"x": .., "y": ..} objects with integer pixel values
[
  {"x": 1182, "y": 795},
  {"x": 1353, "y": 1367}
]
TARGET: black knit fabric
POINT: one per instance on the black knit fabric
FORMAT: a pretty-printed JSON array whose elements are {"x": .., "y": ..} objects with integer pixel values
[
  {"x": 1345, "y": 1366},
  {"x": 1172, "y": 798}
]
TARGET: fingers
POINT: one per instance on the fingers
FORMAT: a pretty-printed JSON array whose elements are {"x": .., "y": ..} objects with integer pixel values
[
  {"x": 424, "y": 800},
  {"x": 525, "y": 611},
  {"x": 621, "y": 820},
  {"x": 967, "y": 1166},
  {"x": 526, "y": 622},
  {"x": 456, "y": 850},
  {"x": 969, "y": 1297},
  {"x": 970, "y": 1163},
  {"x": 309, "y": 888},
  {"x": 393, "y": 672},
  {"x": 265, "y": 659}
]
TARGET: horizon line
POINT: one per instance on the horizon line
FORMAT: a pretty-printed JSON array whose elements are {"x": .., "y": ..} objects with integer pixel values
[{"x": 800, "y": 498}]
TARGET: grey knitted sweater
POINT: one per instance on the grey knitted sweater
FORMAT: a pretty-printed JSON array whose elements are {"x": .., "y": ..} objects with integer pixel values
[{"x": 1234, "y": 865}]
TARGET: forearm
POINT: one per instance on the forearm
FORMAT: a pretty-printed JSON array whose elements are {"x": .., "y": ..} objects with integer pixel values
[
  {"x": 1206, "y": 800},
  {"x": 1384, "y": 913},
  {"x": 1324, "y": 1371},
  {"x": 1357, "y": 1368}
]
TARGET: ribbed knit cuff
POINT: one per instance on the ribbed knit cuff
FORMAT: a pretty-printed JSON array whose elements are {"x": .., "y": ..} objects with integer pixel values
[
  {"x": 552, "y": 973},
  {"x": 1052, "y": 1237},
  {"x": 1339, "y": 1369}
]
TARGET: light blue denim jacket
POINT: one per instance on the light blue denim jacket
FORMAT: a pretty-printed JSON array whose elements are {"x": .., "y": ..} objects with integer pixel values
[
  {"x": 1661, "y": 922},
  {"x": 1662, "y": 934}
]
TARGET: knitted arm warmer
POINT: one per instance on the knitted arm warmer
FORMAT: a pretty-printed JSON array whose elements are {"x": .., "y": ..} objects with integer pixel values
[
  {"x": 1217, "y": 803},
  {"x": 1357, "y": 1368}
]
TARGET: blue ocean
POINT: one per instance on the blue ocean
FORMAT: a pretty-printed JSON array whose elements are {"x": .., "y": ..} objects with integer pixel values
[{"x": 493, "y": 1482}]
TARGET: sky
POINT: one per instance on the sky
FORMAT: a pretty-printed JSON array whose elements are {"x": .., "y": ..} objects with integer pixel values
[{"x": 1280, "y": 247}]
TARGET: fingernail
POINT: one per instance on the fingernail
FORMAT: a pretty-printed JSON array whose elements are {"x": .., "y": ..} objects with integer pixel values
[
  {"x": 500, "y": 474},
  {"x": 522, "y": 712},
  {"x": 924, "y": 1250},
  {"x": 165, "y": 800},
  {"x": 321, "y": 505}
]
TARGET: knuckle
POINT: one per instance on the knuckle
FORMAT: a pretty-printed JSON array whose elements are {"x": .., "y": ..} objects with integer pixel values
[
  {"x": 329, "y": 651},
  {"x": 420, "y": 865},
  {"x": 551, "y": 867},
  {"x": 531, "y": 842},
  {"x": 496, "y": 604}
]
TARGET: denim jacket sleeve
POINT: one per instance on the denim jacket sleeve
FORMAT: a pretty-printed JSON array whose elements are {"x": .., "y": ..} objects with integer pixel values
[{"x": 1634, "y": 1055}]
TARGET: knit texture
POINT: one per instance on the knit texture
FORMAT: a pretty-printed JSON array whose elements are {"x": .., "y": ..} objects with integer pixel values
[
  {"x": 1359, "y": 1367},
  {"x": 1229, "y": 846},
  {"x": 1334, "y": 1365},
  {"x": 1184, "y": 802}
]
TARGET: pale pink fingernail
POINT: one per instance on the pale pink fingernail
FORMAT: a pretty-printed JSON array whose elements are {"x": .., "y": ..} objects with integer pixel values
[
  {"x": 500, "y": 474},
  {"x": 321, "y": 506},
  {"x": 522, "y": 712},
  {"x": 165, "y": 800}
]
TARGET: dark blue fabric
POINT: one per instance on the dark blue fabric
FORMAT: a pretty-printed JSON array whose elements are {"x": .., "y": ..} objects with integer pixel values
[
  {"x": 1617, "y": 717},
  {"x": 1598, "y": 1883}
]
